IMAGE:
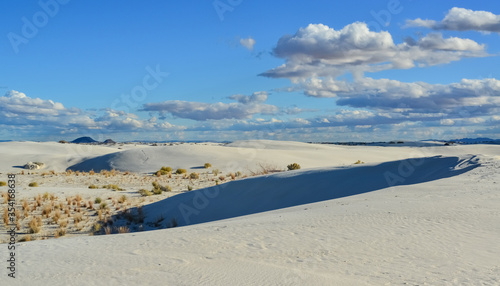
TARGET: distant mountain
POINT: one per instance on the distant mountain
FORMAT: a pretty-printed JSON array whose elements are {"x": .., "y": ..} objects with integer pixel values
[
  {"x": 84, "y": 140},
  {"x": 476, "y": 141},
  {"x": 109, "y": 141}
]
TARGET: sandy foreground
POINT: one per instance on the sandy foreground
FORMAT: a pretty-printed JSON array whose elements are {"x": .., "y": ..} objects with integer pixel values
[{"x": 417, "y": 214}]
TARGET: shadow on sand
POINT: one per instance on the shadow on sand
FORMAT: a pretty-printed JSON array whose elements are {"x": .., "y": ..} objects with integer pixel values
[{"x": 287, "y": 189}]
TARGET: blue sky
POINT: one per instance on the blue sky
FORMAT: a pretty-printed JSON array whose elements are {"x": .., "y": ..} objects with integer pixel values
[{"x": 238, "y": 69}]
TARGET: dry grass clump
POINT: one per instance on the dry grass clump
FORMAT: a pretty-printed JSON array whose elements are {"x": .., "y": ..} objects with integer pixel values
[
  {"x": 123, "y": 229},
  {"x": 194, "y": 176},
  {"x": 97, "y": 200},
  {"x": 5, "y": 217},
  {"x": 359, "y": 162},
  {"x": 77, "y": 217},
  {"x": 122, "y": 199},
  {"x": 164, "y": 171},
  {"x": 59, "y": 232},
  {"x": 3, "y": 183},
  {"x": 293, "y": 166},
  {"x": 33, "y": 184},
  {"x": 93, "y": 186},
  {"x": 35, "y": 225},
  {"x": 5, "y": 197},
  {"x": 207, "y": 165},
  {"x": 46, "y": 210}
]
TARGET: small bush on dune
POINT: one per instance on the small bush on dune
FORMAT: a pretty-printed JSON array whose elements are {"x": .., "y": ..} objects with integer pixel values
[
  {"x": 112, "y": 187},
  {"x": 158, "y": 189},
  {"x": 33, "y": 184},
  {"x": 359, "y": 162},
  {"x": 145, "y": 193},
  {"x": 34, "y": 227},
  {"x": 194, "y": 176},
  {"x": 93, "y": 186},
  {"x": 207, "y": 165},
  {"x": 181, "y": 171},
  {"x": 2, "y": 183},
  {"x": 293, "y": 166},
  {"x": 97, "y": 200}
]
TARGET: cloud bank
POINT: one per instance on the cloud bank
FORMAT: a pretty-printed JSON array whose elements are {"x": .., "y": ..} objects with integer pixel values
[{"x": 460, "y": 19}]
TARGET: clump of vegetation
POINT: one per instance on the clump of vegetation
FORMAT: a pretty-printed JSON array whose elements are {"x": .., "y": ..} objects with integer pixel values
[
  {"x": 103, "y": 206},
  {"x": 165, "y": 170},
  {"x": 181, "y": 171},
  {"x": 97, "y": 200},
  {"x": 207, "y": 165},
  {"x": 112, "y": 187},
  {"x": 194, "y": 176},
  {"x": 33, "y": 184},
  {"x": 158, "y": 189},
  {"x": 190, "y": 188},
  {"x": 93, "y": 187},
  {"x": 35, "y": 225},
  {"x": 3, "y": 184},
  {"x": 60, "y": 232},
  {"x": 293, "y": 166},
  {"x": 359, "y": 162},
  {"x": 215, "y": 172},
  {"x": 145, "y": 193}
]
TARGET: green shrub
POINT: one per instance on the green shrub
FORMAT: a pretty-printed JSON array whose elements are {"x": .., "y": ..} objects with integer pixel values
[
  {"x": 93, "y": 187},
  {"x": 158, "y": 189},
  {"x": 293, "y": 166},
  {"x": 33, "y": 184},
  {"x": 112, "y": 187},
  {"x": 207, "y": 165},
  {"x": 103, "y": 206},
  {"x": 190, "y": 188},
  {"x": 166, "y": 169},
  {"x": 97, "y": 200},
  {"x": 181, "y": 171},
  {"x": 2, "y": 183},
  {"x": 194, "y": 176},
  {"x": 145, "y": 193}
]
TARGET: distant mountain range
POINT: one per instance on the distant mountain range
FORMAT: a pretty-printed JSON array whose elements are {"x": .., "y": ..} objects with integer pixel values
[
  {"x": 473, "y": 141},
  {"x": 89, "y": 140}
]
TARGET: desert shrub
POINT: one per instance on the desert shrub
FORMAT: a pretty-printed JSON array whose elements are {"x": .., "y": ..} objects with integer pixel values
[
  {"x": 232, "y": 175},
  {"x": 158, "y": 189},
  {"x": 112, "y": 187},
  {"x": 194, "y": 176},
  {"x": 145, "y": 193},
  {"x": 103, "y": 206},
  {"x": 293, "y": 166},
  {"x": 190, "y": 188},
  {"x": 3, "y": 183},
  {"x": 98, "y": 200},
  {"x": 166, "y": 169},
  {"x": 123, "y": 229},
  {"x": 215, "y": 172},
  {"x": 93, "y": 187},
  {"x": 222, "y": 178},
  {"x": 33, "y": 225},
  {"x": 78, "y": 217},
  {"x": 181, "y": 171},
  {"x": 5, "y": 197},
  {"x": 33, "y": 184},
  {"x": 122, "y": 199},
  {"x": 97, "y": 227},
  {"x": 359, "y": 162},
  {"x": 60, "y": 232},
  {"x": 207, "y": 165}
]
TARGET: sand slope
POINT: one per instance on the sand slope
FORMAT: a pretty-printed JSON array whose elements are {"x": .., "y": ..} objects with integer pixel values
[{"x": 340, "y": 225}]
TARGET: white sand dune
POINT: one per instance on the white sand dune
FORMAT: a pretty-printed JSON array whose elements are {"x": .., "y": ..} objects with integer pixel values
[{"x": 427, "y": 221}]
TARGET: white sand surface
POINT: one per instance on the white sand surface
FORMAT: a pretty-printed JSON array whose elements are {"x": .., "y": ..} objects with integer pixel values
[{"x": 390, "y": 221}]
